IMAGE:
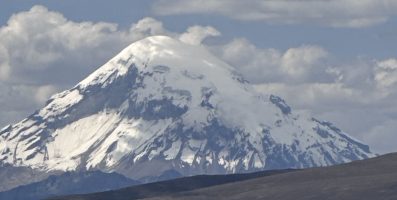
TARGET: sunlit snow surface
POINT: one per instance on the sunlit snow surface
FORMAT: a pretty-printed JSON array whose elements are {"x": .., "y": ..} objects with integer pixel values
[{"x": 162, "y": 104}]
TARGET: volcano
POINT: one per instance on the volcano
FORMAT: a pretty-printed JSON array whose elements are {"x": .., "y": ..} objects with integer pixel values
[{"x": 161, "y": 109}]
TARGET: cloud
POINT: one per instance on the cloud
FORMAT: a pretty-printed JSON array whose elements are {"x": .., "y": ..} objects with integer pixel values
[
  {"x": 38, "y": 40},
  {"x": 386, "y": 73},
  {"x": 148, "y": 26},
  {"x": 196, "y": 34},
  {"x": 257, "y": 65},
  {"x": 299, "y": 61},
  {"x": 334, "y": 13},
  {"x": 305, "y": 63}
]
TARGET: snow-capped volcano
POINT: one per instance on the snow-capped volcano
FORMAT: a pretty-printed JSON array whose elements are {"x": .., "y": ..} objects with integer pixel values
[{"x": 163, "y": 105}]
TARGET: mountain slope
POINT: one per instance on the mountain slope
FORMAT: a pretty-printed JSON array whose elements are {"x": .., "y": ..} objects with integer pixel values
[
  {"x": 69, "y": 183},
  {"x": 163, "y": 105},
  {"x": 369, "y": 179}
]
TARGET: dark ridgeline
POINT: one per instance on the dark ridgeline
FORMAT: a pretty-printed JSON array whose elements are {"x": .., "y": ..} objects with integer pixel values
[{"x": 370, "y": 179}]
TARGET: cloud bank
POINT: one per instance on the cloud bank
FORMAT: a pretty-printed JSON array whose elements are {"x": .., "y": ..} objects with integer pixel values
[{"x": 333, "y": 13}]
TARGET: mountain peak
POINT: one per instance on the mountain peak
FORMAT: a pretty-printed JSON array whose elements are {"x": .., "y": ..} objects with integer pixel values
[
  {"x": 162, "y": 105},
  {"x": 156, "y": 51}
]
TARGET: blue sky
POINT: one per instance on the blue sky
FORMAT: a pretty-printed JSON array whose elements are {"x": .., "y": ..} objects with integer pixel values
[{"x": 335, "y": 59}]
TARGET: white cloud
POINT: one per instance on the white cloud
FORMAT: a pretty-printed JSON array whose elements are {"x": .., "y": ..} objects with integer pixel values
[
  {"x": 317, "y": 96},
  {"x": 300, "y": 64},
  {"x": 196, "y": 34},
  {"x": 38, "y": 40},
  {"x": 148, "y": 26},
  {"x": 335, "y": 13},
  {"x": 257, "y": 65},
  {"x": 299, "y": 61},
  {"x": 386, "y": 73}
]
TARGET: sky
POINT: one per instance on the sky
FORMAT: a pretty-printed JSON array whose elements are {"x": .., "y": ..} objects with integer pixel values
[{"x": 334, "y": 58}]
